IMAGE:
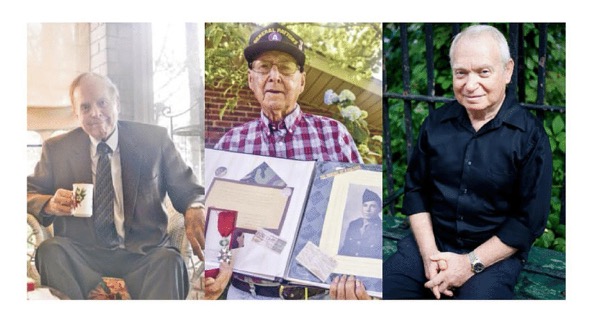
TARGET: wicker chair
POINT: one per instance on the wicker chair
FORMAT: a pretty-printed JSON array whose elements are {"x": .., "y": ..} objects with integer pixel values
[{"x": 114, "y": 288}]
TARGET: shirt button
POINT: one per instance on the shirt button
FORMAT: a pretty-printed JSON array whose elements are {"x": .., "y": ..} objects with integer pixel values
[
  {"x": 469, "y": 163},
  {"x": 465, "y": 191},
  {"x": 461, "y": 217}
]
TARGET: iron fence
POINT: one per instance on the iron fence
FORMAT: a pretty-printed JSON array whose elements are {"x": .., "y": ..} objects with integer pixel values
[{"x": 406, "y": 97}]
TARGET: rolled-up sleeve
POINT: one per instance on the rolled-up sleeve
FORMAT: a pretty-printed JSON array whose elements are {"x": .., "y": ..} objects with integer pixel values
[{"x": 534, "y": 196}]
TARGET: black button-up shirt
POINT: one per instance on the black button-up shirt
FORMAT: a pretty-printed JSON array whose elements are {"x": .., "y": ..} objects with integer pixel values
[{"x": 475, "y": 185}]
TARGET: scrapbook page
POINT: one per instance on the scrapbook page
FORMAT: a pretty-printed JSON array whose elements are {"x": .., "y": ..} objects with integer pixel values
[
  {"x": 341, "y": 231},
  {"x": 269, "y": 196},
  {"x": 298, "y": 221}
]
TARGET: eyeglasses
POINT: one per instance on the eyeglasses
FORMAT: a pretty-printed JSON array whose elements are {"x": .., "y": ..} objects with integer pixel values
[{"x": 284, "y": 67}]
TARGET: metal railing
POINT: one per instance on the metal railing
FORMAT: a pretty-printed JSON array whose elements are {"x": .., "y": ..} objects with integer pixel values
[{"x": 515, "y": 36}]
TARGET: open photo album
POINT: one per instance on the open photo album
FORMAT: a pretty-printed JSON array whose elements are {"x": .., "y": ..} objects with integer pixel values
[{"x": 294, "y": 221}]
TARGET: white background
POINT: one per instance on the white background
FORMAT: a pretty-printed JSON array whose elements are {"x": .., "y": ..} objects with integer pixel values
[{"x": 17, "y": 311}]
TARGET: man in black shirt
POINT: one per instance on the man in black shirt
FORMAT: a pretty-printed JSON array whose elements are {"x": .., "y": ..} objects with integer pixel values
[{"x": 478, "y": 185}]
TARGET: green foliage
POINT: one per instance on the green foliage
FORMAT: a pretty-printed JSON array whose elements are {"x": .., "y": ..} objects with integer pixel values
[
  {"x": 554, "y": 122},
  {"x": 354, "y": 119},
  {"x": 345, "y": 45},
  {"x": 225, "y": 65},
  {"x": 355, "y": 45}
]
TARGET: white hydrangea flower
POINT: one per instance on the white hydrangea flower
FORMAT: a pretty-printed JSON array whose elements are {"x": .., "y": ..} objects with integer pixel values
[
  {"x": 351, "y": 113},
  {"x": 346, "y": 95},
  {"x": 330, "y": 97}
]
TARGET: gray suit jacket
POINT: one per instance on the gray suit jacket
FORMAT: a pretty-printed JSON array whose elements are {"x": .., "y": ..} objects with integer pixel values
[{"x": 151, "y": 168}]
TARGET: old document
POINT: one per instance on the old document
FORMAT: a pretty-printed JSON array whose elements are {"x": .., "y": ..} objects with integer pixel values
[{"x": 258, "y": 206}]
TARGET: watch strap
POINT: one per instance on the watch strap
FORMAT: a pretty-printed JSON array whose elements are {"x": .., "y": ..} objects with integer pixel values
[{"x": 476, "y": 265}]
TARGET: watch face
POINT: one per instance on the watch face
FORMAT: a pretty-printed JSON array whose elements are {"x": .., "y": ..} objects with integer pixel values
[{"x": 478, "y": 267}]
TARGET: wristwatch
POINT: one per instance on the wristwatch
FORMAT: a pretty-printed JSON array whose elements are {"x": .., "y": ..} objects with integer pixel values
[{"x": 475, "y": 263}]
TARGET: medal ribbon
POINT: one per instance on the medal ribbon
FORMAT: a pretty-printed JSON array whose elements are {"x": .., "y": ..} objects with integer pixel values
[
  {"x": 225, "y": 225},
  {"x": 226, "y": 222}
]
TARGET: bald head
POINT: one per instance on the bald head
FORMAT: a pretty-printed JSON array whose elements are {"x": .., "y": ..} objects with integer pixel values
[
  {"x": 95, "y": 102},
  {"x": 479, "y": 32},
  {"x": 113, "y": 90}
]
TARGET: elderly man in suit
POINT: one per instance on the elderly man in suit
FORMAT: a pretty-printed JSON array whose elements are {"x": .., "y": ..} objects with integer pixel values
[{"x": 133, "y": 166}]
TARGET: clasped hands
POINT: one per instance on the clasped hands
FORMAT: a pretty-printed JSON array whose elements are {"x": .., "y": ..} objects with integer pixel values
[{"x": 445, "y": 272}]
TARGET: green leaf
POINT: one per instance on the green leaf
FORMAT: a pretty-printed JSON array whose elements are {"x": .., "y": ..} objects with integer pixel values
[
  {"x": 560, "y": 230},
  {"x": 559, "y": 247},
  {"x": 555, "y": 203},
  {"x": 554, "y": 220},
  {"x": 558, "y": 124},
  {"x": 559, "y": 244},
  {"x": 547, "y": 238},
  {"x": 548, "y": 130},
  {"x": 216, "y": 38},
  {"x": 562, "y": 145},
  {"x": 558, "y": 164}
]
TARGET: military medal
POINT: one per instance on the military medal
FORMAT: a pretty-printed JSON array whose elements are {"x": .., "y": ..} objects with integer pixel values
[{"x": 225, "y": 225}]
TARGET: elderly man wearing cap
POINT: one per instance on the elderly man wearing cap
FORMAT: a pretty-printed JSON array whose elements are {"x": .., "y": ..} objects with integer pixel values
[{"x": 276, "y": 76}]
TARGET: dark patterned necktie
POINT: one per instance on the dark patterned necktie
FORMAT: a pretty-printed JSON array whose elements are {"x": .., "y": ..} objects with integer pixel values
[{"x": 104, "y": 197}]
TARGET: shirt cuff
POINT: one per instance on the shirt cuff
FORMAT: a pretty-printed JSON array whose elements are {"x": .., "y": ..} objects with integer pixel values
[
  {"x": 45, "y": 218},
  {"x": 515, "y": 234},
  {"x": 414, "y": 202},
  {"x": 198, "y": 205}
]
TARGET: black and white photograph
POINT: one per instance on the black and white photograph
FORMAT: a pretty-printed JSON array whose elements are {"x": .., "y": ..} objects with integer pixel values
[{"x": 362, "y": 223}]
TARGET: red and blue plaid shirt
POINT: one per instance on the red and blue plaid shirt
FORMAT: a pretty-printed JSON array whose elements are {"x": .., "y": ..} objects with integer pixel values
[{"x": 298, "y": 136}]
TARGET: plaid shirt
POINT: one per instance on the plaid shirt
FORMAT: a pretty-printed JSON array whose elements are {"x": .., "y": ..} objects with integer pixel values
[{"x": 299, "y": 136}]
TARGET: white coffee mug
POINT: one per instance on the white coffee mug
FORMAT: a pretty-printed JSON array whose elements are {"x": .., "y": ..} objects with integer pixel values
[{"x": 83, "y": 199}]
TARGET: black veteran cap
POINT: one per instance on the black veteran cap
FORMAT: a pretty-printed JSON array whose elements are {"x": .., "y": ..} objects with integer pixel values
[
  {"x": 371, "y": 196},
  {"x": 275, "y": 37}
]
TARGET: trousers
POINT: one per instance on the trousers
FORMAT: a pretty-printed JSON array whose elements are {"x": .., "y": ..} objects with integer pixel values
[
  {"x": 75, "y": 269},
  {"x": 404, "y": 276}
]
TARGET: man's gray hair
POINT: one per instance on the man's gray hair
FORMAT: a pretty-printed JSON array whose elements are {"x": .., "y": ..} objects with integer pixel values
[{"x": 476, "y": 30}]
